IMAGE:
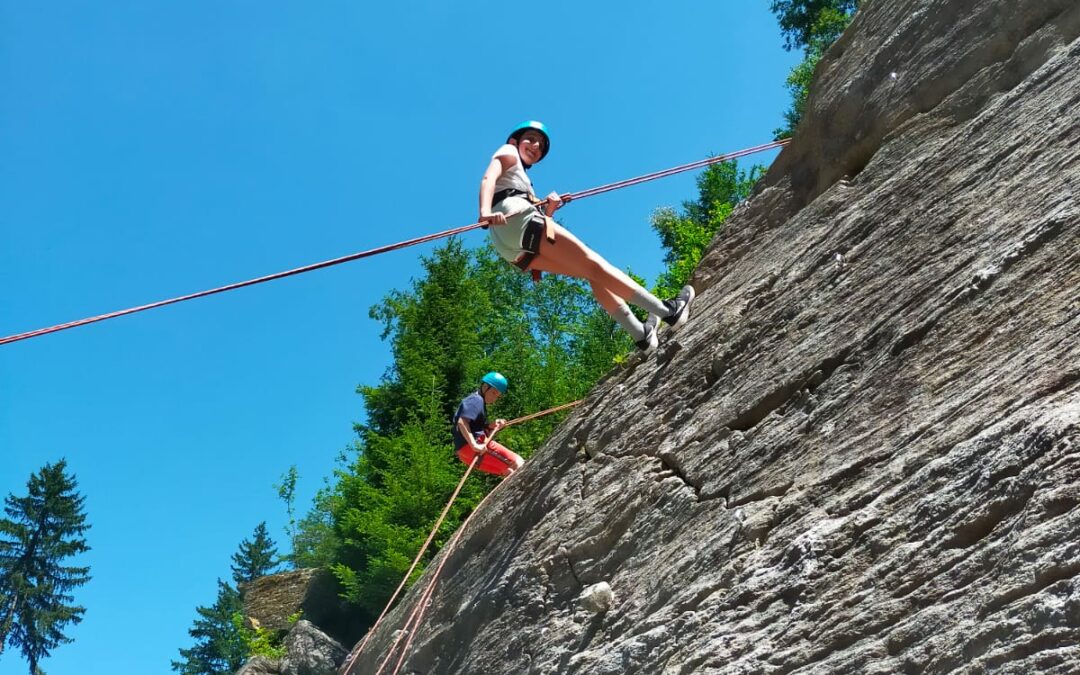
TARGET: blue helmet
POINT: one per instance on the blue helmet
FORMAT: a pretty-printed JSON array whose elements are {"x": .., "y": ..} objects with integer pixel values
[
  {"x": 496, "y": 380},
  {"x": 538, "y": 126}
]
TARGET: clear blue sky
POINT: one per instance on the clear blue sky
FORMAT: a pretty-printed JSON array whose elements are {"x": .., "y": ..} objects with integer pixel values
[{"x": 150, "y": 149}]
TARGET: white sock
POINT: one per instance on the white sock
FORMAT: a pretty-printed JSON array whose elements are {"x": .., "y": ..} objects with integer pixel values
[
  {"x": 625, "y": 318},
  {"x": 650, "y": 303}
]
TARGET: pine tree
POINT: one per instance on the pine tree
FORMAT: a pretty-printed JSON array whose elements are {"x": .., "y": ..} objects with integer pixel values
[
  {"x": 256, "y": 558},
  {"x": 219, "y": 647},
  {"x": 686, "y": 235},
  {"x": 810, "y": 25},
  {"x": 41, "y": 530}
]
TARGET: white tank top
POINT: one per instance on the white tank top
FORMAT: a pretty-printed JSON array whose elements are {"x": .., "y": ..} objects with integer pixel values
[{"x": 515, "y": 177}]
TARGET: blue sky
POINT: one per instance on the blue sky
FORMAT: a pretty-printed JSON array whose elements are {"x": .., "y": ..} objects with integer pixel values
[{"x": 150, "y": 149}]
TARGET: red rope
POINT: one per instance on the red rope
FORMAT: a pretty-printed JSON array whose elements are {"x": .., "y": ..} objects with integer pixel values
[
  {"x": 425, "y": 598},
  {"x": 526, "y": 418},
  {"x": 360, "y": 647},
  {"x": 701, "y": 163},
  {"x": 250, "y": 282},
  {"x": 384, "y": 249}
]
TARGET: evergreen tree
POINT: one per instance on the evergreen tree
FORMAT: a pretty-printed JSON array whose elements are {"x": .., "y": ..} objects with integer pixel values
[
  {"x": 256, "y": 558},
  {"x": 316, "y": 541},
  {"x": 686, "y": 235},
  {"x": 286, "y": 490},
  {"x": 41, "y": 530},
  {"x": 219, "y": 646},
  {"x": 811, "y": 25},
  {"x": 801, "y": 20}
]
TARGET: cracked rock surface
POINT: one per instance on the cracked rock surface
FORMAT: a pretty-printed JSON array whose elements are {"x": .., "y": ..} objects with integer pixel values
[{"x": 862, "y": 454}]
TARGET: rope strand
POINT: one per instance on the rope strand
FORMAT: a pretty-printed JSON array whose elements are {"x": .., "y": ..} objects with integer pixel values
[
  {"x": 384, "y": 249},
  {"x": 423, "y": 549}
]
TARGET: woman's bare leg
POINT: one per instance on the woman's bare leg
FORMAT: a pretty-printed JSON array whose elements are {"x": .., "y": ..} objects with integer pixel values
[{"x": 571, "y": 257}]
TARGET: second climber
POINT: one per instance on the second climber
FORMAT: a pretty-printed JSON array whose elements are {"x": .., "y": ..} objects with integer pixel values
[{"x": 472, "y": 433}]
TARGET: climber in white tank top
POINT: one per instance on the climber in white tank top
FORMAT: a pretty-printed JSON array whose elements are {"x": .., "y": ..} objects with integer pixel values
[{"x": 531, "y": 240}]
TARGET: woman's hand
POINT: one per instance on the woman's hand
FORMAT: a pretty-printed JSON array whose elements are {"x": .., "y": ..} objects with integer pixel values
[
  {"x": 552, "y": 203},
  {"x": 493, "y": 218}
]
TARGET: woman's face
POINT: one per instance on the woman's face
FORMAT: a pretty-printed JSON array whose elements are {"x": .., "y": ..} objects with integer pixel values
[{"x": 531, "y": 146}]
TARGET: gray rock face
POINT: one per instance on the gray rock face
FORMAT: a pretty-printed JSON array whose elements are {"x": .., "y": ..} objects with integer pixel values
[
  {"x": 863, "y": 452},
  {"x": 311, "y": 652}
]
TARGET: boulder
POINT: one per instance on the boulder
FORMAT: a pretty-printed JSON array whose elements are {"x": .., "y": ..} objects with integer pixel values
[
  {"x": 260, "y": 665},
  {"x": 311, "y": 652},
  {"x": 274, "y": 601}
]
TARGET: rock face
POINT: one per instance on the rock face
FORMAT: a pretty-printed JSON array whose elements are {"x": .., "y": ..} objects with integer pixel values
[{"x": 863, "y": 452}]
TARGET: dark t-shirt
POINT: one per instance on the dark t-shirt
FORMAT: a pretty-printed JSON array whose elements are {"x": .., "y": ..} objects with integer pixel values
[{"x": 472, "y": 409}]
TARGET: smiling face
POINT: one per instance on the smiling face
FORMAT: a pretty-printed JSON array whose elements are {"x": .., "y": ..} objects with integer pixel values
[{"x": 530, "y": 145}]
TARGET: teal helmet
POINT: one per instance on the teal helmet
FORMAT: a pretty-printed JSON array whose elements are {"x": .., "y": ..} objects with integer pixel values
[
  {"x": 496, "y": 380},
  {"x": 538, "y": 126}
]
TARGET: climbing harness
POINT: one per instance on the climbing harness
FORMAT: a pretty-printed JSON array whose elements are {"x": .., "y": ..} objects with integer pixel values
[
  {"x": 391, "y": 247},
  {"x": 350, "y": 661},
  {"x": 539, "y": 227}
]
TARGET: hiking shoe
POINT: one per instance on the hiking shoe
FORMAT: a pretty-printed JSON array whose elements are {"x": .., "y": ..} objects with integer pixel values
[
  {"x": 680, "y": 308},
  {"x": 648, "y": 344}
]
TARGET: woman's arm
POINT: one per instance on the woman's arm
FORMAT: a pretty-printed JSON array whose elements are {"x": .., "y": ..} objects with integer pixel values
[{"x": 487, "y": 189}]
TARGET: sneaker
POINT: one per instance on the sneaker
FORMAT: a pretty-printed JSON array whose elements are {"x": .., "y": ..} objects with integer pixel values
[
  {"x": 648, "y": 344},
  {"x": 680, "y": 308}
]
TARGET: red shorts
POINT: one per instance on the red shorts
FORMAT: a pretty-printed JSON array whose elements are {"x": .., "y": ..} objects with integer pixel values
[{"x": 497, "y": 460}]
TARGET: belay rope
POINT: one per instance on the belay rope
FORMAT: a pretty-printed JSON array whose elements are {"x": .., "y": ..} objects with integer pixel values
[
  {"x": 391, "y": 247},
  {"x": 417, "y": 614}
]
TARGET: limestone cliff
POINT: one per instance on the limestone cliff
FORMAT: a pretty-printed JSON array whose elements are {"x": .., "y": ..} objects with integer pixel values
[{"x": 863, "y": 453}]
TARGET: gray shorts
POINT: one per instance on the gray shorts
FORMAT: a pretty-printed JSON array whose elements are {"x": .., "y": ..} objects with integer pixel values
[{"x": 507, "y": 238}]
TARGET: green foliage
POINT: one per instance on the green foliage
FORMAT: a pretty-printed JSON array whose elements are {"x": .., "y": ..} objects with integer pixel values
[
  {"x": 41, "y": 531},
  {"x": 812, "y": 25},
  {"x": 287, "y": 492},
  {"x": 801, "y": 20},
  {"x": 316, "y": 543},
  {"x": 256, "y": 558},
  {"x": 685, "y": 235},
  {"x": 257, "y": 641},
  {"x": 220, "y": 648}
]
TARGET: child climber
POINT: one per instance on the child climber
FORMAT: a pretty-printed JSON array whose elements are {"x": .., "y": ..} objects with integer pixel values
[
  {"x": 533, "y": 241},
  {"x": 471, "y": 429}
]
